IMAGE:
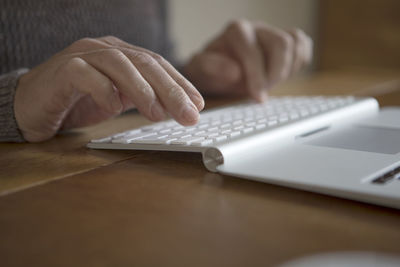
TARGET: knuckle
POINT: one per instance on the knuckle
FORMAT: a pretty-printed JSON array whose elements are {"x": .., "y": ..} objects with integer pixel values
[
  {"x": 67, "y": 73},
  {"x": 158, "y": 57},
  {"x": 188, "y": 88},
  {"x": 110, "y": 39},
  {"x": 298, "y": 32},
  {"x": 302, "y": 37},
  {"x": 115, "y": 52},
  {"x": 147, "y": 98},
  {"x": 308, "y": 40},
  {"x": 143, "y": 59},
  {"x": 106, "y": 85},
  {"x": 175, "y": 94},
  {"x": 83, "y": 42},
  {"x": 183, "y": 82},
  {"x": 237, "y": 26},
  {"x": 73, "y": 64},
  {"x": 117, "y": 55},
  {"x": 284, "y": 40},
  {"x": 147, "y": 91}
]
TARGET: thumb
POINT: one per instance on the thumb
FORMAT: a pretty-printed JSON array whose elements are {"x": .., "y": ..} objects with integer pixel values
[{"x": 213, "y": 72}]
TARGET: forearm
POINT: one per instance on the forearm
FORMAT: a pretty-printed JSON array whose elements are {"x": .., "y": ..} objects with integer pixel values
[{"x": 9, "y": 131}]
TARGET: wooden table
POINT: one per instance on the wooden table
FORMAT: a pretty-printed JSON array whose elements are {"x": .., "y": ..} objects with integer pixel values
[{"x": 62, "y": 204}]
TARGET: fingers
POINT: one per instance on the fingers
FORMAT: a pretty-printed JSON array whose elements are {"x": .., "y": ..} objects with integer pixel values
[
  {"x": 172, "y": 96},
  {"x": 214, "y": 72},
  {"x": 302, "y": 53},
  {"x": 148, "y": 80},
  {"x": 284, "y": 52},
  {"x": 188, "y": 87},
  {"x": 126, "y": 77},
  {"x": 244, "y": 46},
  {"x": 151, "y": 89},
  {"x": 278, "y": 48},
  {"x": 88, "y": 80}
]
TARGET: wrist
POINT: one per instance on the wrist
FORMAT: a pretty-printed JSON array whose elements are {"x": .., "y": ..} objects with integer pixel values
[{"x": 9, "y": 127}]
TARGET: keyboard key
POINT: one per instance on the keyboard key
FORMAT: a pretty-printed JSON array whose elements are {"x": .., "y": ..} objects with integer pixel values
[
  {"x": 187, "y": 140},
  {"x": 182, "y": 135},
  {"x": 168, "y": 130},
  {"x": 169, "y": 140},
  {"x": 251, "y": 124},
  {"x": 200, "y": 132},
  {"x": 150, "y": 128},
  {"x": 247, "y": 130},
  {"x": 224, "y": 126},
  {"x": 261, "y": 126},
  {"x": 238, "y": 128},
  {"x": 272, "y": 123},
  {"x": 283, "y": 119},
  {"x": 226, "y": 132},
  {"x": 234, "y": 134},
  {"x": 127, "y": 140},
  {"x": 179, "y": 127},
  {"x": 204, "y": 142},
  {"x": 177, "y": 133},
  {"x": 213, "y": 129},
  {"x": 158, "y": 139},
  {"x": 190, "y": 129},
  {"x": 133, "y": 134},
  {"x": 203, "y": 125},
  {"x": 216, "y": 122},
  {"x": 220, "y": 138}
]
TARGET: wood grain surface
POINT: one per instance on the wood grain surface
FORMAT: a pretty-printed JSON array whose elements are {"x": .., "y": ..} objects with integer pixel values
[{"x": 136, "y": 208}]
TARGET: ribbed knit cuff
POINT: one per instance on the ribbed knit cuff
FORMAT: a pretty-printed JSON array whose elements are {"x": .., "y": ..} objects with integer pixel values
[{"x": 9, "y": 131}]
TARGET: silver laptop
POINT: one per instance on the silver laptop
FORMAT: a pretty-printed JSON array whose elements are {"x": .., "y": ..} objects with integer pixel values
[{"x": 341, "y": 145}]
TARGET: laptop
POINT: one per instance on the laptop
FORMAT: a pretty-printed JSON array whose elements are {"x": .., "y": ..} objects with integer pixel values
[{"x": 342, "y": 146}]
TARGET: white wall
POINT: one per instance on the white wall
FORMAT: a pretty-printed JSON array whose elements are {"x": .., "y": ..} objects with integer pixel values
[{"x": 194, "y": 22}]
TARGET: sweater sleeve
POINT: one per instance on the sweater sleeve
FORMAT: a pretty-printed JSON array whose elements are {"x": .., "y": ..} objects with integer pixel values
[{"x": 9, "y": 131}]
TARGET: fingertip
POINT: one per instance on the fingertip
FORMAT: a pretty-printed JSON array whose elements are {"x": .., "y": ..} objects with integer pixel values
[
  {"x": 189, "y": 115},
  {"x": 261, "y": 96},
  {"x": 264, "y": 95}
]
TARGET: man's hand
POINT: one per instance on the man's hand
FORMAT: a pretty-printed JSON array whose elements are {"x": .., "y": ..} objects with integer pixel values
[
  {"x": 248, "y": 59},
  {"x": 94, "y": 79}
]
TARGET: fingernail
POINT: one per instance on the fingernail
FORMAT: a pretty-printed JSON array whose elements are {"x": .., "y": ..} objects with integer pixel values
[
  {"x": 190, "y": 114},
  {"x": 116, "y": 104},
  {"x": 157, "y": 111}
]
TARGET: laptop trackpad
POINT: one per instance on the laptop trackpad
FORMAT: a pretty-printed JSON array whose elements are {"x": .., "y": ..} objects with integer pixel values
[{"x": 362, "y": 138}]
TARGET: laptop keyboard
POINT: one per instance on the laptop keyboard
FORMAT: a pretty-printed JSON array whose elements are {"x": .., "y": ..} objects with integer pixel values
[{"x": 230, "y": 123}]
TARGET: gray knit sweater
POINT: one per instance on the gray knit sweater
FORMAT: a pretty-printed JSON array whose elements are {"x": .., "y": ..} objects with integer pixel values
[{"x": 31, "y": 31}]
